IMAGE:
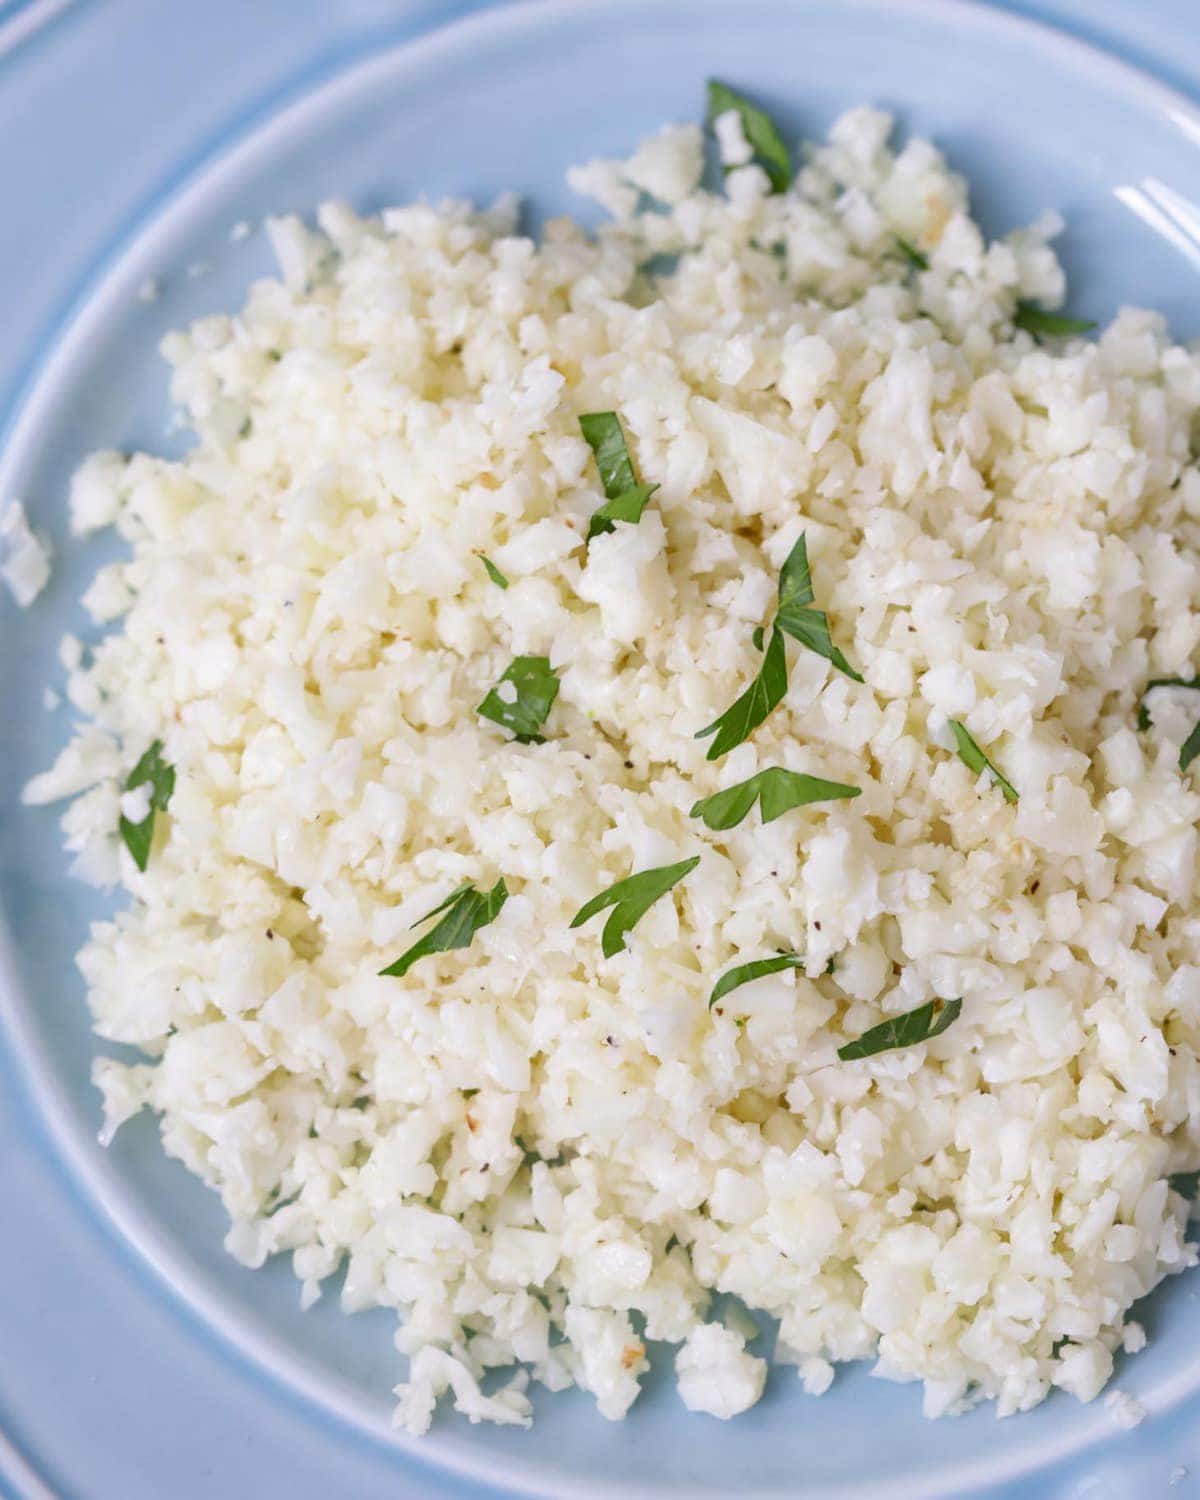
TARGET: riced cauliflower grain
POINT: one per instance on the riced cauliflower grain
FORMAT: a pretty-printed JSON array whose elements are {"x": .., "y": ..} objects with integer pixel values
[
  {"x": 715, "y": 1373},
  {"x": 540, "y": 1157},
  {"x": 24, "y": 557},
  {"x": 1126, "y": 1411}
]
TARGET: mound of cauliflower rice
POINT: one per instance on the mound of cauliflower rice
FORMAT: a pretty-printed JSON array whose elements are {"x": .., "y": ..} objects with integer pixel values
[{"x": 544, "y": 1158}]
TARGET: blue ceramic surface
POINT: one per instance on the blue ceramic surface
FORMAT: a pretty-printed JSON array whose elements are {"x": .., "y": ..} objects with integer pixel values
[{"x": 136, "y": 1361}]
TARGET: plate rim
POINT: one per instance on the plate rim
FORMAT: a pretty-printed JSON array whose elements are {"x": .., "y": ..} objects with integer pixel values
[{"x": 118, "y": 264}]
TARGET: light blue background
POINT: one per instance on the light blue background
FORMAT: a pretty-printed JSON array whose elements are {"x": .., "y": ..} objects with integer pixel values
[{"x": 180, "y": 1417}]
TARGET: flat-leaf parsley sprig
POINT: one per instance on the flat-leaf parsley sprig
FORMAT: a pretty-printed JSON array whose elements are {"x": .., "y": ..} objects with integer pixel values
[
  {"x": 625, "y": 497},
  {"x": 153, "y": 771},
  {"x": 630, "y": 900},
  {"x": 775, "y": 790},
  {"x": 492, "y": 571},
  {"x": 1044, "y": 324},
  {"x": 467, "y": 910},
  {"x": 796, "y": 617},
  {"x": 906, "y": 1030},
  {"x": 757, "y": 968},
  {"x": 746, "y": 713},
  {"x": 523, "y": 697},
  {"x": 917, "y": 259},
  {"x": 760, "y": 131},
  {"x": 975, "y": 760}
]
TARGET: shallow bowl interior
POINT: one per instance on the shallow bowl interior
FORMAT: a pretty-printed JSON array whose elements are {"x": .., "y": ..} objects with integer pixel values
[{"x": 509, "y": 101}]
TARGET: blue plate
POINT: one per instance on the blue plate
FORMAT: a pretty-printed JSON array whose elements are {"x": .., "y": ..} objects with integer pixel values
[{"x": 509, "y": 99}]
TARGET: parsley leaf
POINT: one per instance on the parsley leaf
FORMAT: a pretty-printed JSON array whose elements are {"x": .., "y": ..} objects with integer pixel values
[
  {"x": 760, "y": 132},
  {"x": 1191, "y": 746},
  {"x": 627, "y": 506},
  {"x": 975, "y": 760},
  {"x": 916, "y": 258},
  {"x": 467, "y": 910},
  {"x": 742, "y": 718},
  {"x": 161, "y": 778},
  {"x": 493, "y": 572},
  {"x": 777, "y": 791},
  {"x": 604, "y": 436},
  {"x": 454, "y": 895},
  {"x": 795, "y": 618},
  {"x": 744, "y": 973},
  {"x": 905, "y": 1030},
  {"x": 626, "y": 498},
  {"x": 808, "y": 626},
  {"x": 631, "y": 899},
  {"x": 1043, "y": 324},
  {"x": 524, "y": 705}
]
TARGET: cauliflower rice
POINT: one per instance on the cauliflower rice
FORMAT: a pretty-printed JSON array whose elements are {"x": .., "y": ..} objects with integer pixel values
[{"x": 540, "y": 1157}]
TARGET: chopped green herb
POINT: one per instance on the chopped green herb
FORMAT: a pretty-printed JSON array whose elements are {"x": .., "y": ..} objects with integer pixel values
[
  {"x": 631, "y": 899},
  {"x": 1143, "y": 713},
  {"x": 808, "y": 626},
  {"x": 1189, "y": 749},
  {"x": 627, "y": 506},
  {"x": 760, "y": 132},
  {"x": 626, "y": 498},
  {"x": 662, "y": 263},
  {"x": 975, "y": 760},
  {"x": 1191, "y": 746},
  {"x": 1051, "y": 325},
  {"x": 916, "y": 258},
  {"x": 455, "y": 895},
  {"x": 154, "y": 770},
  {"x": 756, "y": 637},
  {"x": 523, "y": 698},
  {"x": 742, "y": 718},
  {"x": 603, "y": 434},
  {"x": 777, "y": 791},
  {"x": 467, "y": 910},
  {"x": 744, "y": 973},
  {"x": 246, "y": 428},
  {"x": 906, "y": 1030},
  {"x": 492, "y": 571}
]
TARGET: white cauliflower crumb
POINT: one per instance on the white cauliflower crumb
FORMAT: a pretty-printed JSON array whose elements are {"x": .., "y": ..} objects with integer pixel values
[
  {"x": 433, "y": 1372},
  {"x": 24, "y": 557},
  {"x": 735, "y": 149},
  {"x": 135, "y": 805},
  {"x": 1125, "y": 1411},
  {"x": 715, "y": 1373}
]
